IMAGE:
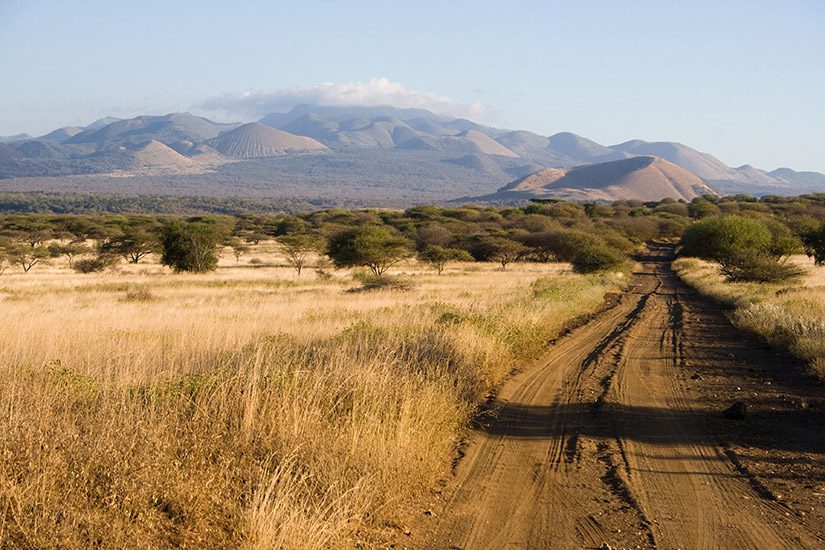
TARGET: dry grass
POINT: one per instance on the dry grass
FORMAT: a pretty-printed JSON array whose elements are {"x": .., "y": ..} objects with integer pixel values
[
  {"x": 792, "y": 316},
  {"x": 249, "y": 407}
]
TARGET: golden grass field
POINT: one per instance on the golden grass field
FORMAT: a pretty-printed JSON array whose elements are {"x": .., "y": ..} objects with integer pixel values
[
  {"x": 790, "y": 315},
  {"x": 250, "y": 407}
]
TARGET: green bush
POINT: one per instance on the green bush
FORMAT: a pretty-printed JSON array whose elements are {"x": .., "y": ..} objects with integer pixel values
[
  {"x": 190, "y": 246},
  {"x": 726, "y": 237},
  {"x": 760, "y": 269},
  {"x": 592, "y": 259},
  {"x": 94, "y": 265}
]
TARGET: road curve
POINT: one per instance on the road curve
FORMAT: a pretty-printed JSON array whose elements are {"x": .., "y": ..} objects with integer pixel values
[{"x": 603, "y": 441}]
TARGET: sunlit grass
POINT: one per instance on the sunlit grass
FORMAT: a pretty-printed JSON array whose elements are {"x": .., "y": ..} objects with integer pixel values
[
  {"x": 250, "y": 407},
  {"x": 789, "y": 315}
]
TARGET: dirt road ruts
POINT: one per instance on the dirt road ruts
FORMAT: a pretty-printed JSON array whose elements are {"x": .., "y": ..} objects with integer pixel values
[{"x": 616, "y": 437}]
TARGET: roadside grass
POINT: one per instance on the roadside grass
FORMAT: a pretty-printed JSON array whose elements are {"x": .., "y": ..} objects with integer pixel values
[
  {"x": 250, "y": 407},
  {"x": 787, "y": 315}
]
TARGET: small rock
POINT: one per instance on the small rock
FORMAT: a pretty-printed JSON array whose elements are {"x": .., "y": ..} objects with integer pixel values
[
  {"x": 407, "y": 532},
  {"x": 428, "y": 513},
  {"x": 737, "y": 411},
  {"x": 605, "y": 546}
]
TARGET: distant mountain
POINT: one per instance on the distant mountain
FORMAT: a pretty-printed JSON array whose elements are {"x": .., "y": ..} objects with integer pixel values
[
  {"x": 582, "y": 149},
  {"x": 804, "y": 180},
  {"x": 256, "y": 140},
  {"x": 16, "y": 137},
  {"x": 165, "y": 129},
  {"x": 640, "y": 178},
  {"x": 61, "y": 134},
  {"x": 423, "y": 146}
]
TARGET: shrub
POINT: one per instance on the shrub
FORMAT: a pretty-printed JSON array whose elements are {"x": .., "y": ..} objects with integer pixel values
[
  {"x": 598, "y": 258},
  {"x": 760, "y": 269},
  {"x": 561, "y": 244},
  {"x": 140, "y": 293},
  {"x": 94, "y": 265},
  {"x": 726, "y": 237},
  {"x": 370, "y": 282}
]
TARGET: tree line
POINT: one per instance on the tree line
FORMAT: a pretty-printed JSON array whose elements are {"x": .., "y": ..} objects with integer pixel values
[{"x": 750, "y": 238}]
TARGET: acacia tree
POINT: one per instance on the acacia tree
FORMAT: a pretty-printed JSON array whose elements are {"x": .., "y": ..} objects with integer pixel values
[
  {"x": 370, "y": 246},
  {"x": 70, "y": 250},
  {"x": 190, "y": 246},
  {"x": 438, "y": 256},
  {"x": 133, "y": 244},
  {"x": 299, "y": 248},
  {"x": 26, "y": 256},
  {"x": 497, "y": 249}
]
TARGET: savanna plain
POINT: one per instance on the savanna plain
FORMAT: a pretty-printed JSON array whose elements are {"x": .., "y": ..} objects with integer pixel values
[{"x": 250, "y": 406}]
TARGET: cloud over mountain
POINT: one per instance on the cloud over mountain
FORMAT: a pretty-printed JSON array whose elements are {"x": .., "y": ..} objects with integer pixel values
[{"x": 375, "y": 92}]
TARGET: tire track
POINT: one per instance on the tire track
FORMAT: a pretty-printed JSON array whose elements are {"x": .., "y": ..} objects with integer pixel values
[{"x": 599, "y": 443}]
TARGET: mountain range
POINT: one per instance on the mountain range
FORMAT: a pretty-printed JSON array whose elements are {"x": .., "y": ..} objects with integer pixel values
[{"x": 406, "y": 155}]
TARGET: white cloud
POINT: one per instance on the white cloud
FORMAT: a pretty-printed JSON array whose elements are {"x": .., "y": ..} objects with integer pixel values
[{"x": 378, "y": 91}]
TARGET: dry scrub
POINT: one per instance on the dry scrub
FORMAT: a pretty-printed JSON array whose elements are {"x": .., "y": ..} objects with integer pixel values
[
  {"x": 249, "y": 407},
  {"x": 790, "y": 315}
]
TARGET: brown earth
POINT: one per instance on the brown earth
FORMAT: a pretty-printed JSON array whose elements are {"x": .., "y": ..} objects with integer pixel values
[{"x": 616, "y": 437}]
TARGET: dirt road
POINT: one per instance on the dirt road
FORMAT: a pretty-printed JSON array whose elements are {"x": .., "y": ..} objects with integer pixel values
[{"x": 616, "y": 437}]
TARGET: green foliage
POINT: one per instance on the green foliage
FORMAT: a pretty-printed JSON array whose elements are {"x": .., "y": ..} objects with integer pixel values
[
  {"x": 24, "y": 255},
  {"x": 70, "y": 250},
  {"x": 496, "y": 249},
  {"x": 299, "y": 248},
  {"x": 374, "y": 247},
  {"x": 592, "y": 259},
  {"x": 560, "y": 244},
  {"x": 725, "y": 237},
  {"x": 438, "y": 256},
  {"x": 191, "y": 246},
  {"x": 94, "y": 265},
  {"x": 760, "y": 268},
  {"x": 134, "y": 243},
  {"x": 814, "y": 241}
]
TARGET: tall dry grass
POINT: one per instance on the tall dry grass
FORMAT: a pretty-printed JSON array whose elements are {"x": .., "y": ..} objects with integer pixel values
[
  {"x": 787, "y": 315},
  {"x": 249, "y": 407}
]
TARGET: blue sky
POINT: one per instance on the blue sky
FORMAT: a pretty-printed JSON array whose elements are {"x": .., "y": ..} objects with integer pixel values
[{"x": 744, "y": 81}]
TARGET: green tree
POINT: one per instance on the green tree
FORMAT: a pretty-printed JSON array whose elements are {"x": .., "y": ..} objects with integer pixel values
[
  {"x": 70, "y": 250},
  {"x": 370, "y": 246},
  {"x": 438, "y": 256},
  {"x": 26, "y": 256},
  {"x": 815, "y": 244},
  {"x": 594, "y": 258},
  {"x": 133, "y": 244},
  {"x": 299, "y": 248},
  {"x": 190, "y": 246},
  {"x": 725, "y": 237},
  {"x": 498, "y": 249}
]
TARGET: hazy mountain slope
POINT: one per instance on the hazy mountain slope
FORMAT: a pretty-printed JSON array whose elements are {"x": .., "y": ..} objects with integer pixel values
[
  {"x": 256, "y": 140},
  {"x": 166, "y": 129},
  {"x": 42, "y": 150},
  {"x": 582, "y": 149},
  {"x": 469, "y": 142},
  {"x": 703, "y": 165},
  {"x": 640, "y": 178},
  {"x": 61, "y": 134},
  {"x": 16, "y": 137},
  {"x": 804, "y": 180}
]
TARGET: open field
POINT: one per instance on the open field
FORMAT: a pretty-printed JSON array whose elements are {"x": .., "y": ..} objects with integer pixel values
[
  {"x": 791, "y": 315},
  {"x": 250, "y": 407}
]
